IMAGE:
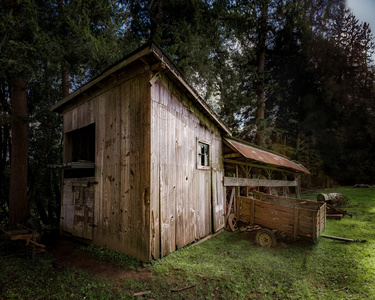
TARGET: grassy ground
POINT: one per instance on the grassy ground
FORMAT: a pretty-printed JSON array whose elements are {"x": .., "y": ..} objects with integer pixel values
[{"x": 228, "y": 266}]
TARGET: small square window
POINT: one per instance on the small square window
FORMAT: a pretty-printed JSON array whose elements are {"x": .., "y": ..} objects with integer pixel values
[{"x": 203, "y": 157}]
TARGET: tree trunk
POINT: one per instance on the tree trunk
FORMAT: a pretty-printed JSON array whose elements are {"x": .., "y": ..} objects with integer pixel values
[
  {"x": 18, "y": 203},
  {"x": 156, "y": 11},
  {"x": 65, "y": 81},
  {"x": 261, "y": 58}
]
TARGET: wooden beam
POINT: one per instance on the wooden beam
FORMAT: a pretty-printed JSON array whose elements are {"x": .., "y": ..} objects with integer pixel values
[
  {"x": 234, "y": 181},
  {"x": 154, "y": 78},
  {"x": 158, "y": 66},
  {"x": 236, "y": 162},
  {"x": 232, "y": 155}
]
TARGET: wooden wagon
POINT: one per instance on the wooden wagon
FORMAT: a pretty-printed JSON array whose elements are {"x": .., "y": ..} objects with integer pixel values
[{"x": 294, "y": 217}]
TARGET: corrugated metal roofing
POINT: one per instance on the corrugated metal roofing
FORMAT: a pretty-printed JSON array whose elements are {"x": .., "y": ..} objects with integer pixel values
[{"x": 266, "y": 157}]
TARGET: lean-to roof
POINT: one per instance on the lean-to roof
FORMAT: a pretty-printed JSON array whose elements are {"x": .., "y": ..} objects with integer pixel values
[{"x": 257, "y": 155}]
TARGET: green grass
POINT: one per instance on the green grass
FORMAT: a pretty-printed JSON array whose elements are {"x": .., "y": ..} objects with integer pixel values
[
  {"x": 114, "y": 257},
  {"x": 26, "y": 279},
  {"x": 228, "y": 266}
]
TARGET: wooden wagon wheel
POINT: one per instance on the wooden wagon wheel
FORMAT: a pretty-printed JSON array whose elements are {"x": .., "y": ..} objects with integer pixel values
[
  {"x": 232, "y": 222},
  {"x": 266, "y": 238}
]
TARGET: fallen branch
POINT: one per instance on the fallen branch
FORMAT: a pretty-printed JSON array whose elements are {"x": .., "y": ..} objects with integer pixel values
[
  {"x": 185, "y": 288},
  {"x": 140, "y": 294},
  {"x": 342, "y": 239}
]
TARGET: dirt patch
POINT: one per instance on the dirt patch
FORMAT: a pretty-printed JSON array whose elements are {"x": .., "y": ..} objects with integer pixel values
[{"x": 67, "y": 253}]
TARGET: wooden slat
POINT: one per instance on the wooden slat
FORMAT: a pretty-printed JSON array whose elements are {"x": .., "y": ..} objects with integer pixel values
[
  {"x": 234, "y": 181},
  {"x": 263, "y": 214},
  {"x": 270, "y": 224},
  {"x": 268, "y": 212},
  {"x": 314, "y": 229},
  {"x": 296, "y": 222},
  {"x": 21, "y": 236},
  {"x": 274, "y": 207}
]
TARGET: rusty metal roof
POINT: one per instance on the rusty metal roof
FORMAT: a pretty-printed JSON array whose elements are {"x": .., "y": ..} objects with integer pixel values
[{"x": 263, "y": 156}]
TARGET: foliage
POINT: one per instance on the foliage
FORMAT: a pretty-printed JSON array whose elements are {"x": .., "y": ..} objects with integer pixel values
[
  {"x": 84, "y": 38},
  {"x": 319, "y": 82}
]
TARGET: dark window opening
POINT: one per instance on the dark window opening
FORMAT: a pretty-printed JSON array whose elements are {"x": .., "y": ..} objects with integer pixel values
[
  {"x": 203, "y": 155},
  {"x": 80, "y": 151}
]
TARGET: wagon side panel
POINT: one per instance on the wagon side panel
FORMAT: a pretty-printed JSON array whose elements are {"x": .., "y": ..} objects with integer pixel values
[
  {"x": 274, "y": 216},
  {"x": 306, "y": 223}
]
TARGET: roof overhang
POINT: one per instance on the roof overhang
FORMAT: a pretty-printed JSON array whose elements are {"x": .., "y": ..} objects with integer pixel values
[
  {"x": 150, "y": 54},
  {"x": 248, "y": 152}
]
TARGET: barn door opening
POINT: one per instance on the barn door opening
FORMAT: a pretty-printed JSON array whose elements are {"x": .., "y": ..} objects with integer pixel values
[
  {"x": 77, "y": 209},
  {"x": 217, "y": 200},
  {"x": 83, "y": 192}
]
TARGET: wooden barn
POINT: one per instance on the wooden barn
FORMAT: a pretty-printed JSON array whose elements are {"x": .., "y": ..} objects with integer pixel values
[
  {"x": 148, "y": 166},
  {"x": 143, "y": 159}
]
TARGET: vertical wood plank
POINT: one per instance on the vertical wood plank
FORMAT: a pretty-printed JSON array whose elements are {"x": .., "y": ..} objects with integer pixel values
[
  {"x": 295, "y": 222},
  {"x": 314, "y": 226},
  {"x": 155, "y": 173},
  {"x": 252, "y": 211}
]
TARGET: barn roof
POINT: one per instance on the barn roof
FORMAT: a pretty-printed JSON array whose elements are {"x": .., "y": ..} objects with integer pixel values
[
  {"x": 252, "y": 153},
  {"x": 150, "y": 54}
]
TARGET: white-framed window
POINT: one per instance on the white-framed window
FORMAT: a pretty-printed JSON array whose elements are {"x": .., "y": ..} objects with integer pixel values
[{"x": 203, "y": 155}]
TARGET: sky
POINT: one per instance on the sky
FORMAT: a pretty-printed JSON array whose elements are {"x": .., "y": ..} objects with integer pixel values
[{"x": 364, "y": 10}]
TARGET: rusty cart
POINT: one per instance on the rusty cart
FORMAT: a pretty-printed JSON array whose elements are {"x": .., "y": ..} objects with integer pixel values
[{"x": 294, "y": 217}]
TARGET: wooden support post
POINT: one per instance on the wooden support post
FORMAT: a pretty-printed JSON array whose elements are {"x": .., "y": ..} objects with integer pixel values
[
  {"x": 314, "y": 237},
  {"x": 252, "y": 211},
  {"x": 298, "y": 186},
  {"x": 33, "y": 247},
  {"x": 238, "y": 193},
  {"x": 232, "y": 196},
  {"x": 284, "y": 187},
  {"x": 296, "y": 225},
  {"x": 269, "y": 174},
  {"x": 225, "y": 201}
]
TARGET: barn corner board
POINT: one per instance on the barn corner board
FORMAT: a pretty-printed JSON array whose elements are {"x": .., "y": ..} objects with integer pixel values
[{"x": 146, "y": 163}]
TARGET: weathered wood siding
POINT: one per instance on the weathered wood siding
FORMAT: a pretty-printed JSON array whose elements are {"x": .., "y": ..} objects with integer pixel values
[
  {"x": 150, "y": 198},
  {"x": 121, "y": 113},
  {"x": 181, "y": 208},
  {"x": 77, "y": 207}
]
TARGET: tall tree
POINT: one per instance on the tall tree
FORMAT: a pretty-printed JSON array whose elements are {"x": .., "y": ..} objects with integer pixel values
[
  {"x": 261, "y": 60},
  {"x": 38, "y": 40},
  {"x": 18, "y": 202}
]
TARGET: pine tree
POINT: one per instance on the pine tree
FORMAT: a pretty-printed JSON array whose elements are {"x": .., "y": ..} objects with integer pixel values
[
  {"x": 18, "y": 202},
  {"x": 40, "y": 39}
]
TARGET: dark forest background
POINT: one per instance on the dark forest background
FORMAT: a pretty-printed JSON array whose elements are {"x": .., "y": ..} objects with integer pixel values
[{"x": 293, "y": 76}]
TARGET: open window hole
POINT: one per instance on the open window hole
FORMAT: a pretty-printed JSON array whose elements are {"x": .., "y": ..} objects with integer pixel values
[{"x": 80, "y": 151}]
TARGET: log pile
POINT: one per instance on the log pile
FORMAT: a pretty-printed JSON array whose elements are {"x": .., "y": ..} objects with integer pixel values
[{"x": 333, "y": 202}]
